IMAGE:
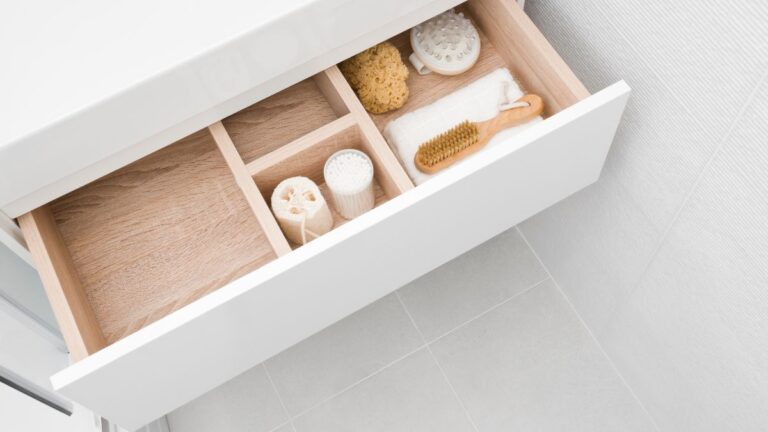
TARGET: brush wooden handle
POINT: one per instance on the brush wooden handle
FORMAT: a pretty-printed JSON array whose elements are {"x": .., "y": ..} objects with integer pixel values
[
  {"x": 487, "y": 129},
  {"x": 508, "y": 118}
]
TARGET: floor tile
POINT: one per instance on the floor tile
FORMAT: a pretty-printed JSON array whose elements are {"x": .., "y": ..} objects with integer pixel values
[
  {"x": 471, "y": 284},
  {"x": 247, "y": 403},
  {"x": 691, "y": 338},
  {"x": 342, "y": 354},
  {"x": 711, "y": 62},
  {"x": 409, "y": 396},
  {"x": 659, "y": 148},
  {"x": 596, "y": 245},
  {"x": 530, "y": 365}
]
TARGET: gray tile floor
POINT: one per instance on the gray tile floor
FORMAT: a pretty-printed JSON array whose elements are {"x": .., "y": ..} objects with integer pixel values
[{"x": 484, "y": 343}]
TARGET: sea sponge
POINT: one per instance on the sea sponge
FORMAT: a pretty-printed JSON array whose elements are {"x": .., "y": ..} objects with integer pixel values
[{"x": 378, "y": 77}]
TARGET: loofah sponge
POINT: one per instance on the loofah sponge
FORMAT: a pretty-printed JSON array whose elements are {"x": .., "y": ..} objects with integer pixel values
[{"x": 378, "y": 77}]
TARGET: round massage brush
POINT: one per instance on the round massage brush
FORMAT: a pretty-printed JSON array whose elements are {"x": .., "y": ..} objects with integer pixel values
[
  {"x": 447, "y": 44},
  {"x": 467, "y": 137}
]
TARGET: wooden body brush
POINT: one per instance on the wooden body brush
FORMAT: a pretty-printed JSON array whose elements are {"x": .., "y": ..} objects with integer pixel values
[{"x": 468, "y": 137}]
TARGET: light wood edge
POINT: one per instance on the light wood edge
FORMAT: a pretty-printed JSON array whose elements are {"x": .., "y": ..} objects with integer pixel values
[
  {"x": 521, "y": 40},
  {"x": 308, "y": 161},
  {"x": 331, "y": 81},
  {"x": 300, "y": 144},
  {"x": 255, "y": 200},
  {"x": 332, "y": 95},
  {"x": 77, "y": 322}
]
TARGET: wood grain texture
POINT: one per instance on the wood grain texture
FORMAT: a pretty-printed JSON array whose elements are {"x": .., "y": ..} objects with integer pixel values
[
  {"x": 279, "y": 119},
  {"x": 250, "y": 190},
  {"x": 159, "y": 233},
  {"x": 333, "y": 95},
  {"x": 528, "y": 54},
  {"x": 77, "y": 322},
  {"x": 384, "y": 160},
  {"x": 337, "y": 129}
]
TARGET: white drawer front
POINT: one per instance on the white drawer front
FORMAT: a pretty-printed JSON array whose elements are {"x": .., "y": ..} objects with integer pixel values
[{"x": 210, "y": 341}]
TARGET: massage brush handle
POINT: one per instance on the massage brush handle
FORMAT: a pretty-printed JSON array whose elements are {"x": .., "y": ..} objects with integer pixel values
[{"x": 489, "y": 128}]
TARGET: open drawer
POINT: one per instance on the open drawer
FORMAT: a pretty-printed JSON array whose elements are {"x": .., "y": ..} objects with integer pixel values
[{"x": 171, "y": 276}]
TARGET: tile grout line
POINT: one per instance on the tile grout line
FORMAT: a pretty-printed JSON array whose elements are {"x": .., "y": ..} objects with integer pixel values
[
  {"x": 487, "y": 311},
  {"x": 590, "y": 333},
  {"x": 360, "y": 381},
  {"x": 675, "y": 216},
  {"x": 279, "y": 398},
  {"x": 285, "y": 423},
  {"x": 408, "y": 354},
  {"x": 653, "y": 70},
  {"x": 665, "y": 232},
  {"x": 695, "y": 184},
  {"x": 439, "y": 366}
]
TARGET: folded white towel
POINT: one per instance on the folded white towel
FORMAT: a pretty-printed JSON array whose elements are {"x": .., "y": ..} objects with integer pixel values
[{"x": 477, "y": 101}]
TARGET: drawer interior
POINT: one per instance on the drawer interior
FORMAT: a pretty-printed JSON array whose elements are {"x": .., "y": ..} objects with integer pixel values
[
  {"x": 508, "y": 39},
  {"x": 152, "y": 237},
  {"x": 280, "y": 119}
]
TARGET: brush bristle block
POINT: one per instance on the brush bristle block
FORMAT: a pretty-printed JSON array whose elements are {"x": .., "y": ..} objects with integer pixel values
[{"x": 446, "y": 145}]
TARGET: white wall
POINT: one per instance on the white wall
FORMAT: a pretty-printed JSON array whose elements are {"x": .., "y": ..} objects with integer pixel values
[{"x": 666, "y": 257}]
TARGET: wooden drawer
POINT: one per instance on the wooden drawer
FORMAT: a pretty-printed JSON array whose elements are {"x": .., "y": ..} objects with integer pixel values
[{"x": 170, "y": 275}]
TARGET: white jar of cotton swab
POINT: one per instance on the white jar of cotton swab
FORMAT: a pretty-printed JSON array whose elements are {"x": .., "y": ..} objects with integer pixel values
[{"x": 349, "y": 176}]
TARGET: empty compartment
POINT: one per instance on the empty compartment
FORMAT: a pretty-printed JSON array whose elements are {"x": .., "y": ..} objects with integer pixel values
[
  {"x": 279, "y": 119},
  {"x": 145, "y": 241}
]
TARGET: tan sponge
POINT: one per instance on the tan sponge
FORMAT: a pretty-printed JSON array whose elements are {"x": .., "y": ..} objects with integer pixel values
[{"x": 378, "y": 77}]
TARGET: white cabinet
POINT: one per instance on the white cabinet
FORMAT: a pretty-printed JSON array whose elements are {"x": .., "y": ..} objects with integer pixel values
[{"x": 169, "y": 275}]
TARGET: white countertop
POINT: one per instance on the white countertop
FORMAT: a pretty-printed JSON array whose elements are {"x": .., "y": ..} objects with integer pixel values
[
  {"x": 60, "y": 58},
  {"x": 87, "y": 86}
]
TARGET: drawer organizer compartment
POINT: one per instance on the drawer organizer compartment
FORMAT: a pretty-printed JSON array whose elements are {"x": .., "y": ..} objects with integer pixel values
[
  {"x": 133, "y": 248},
  {"x": 280, "y": 119},
  {"x": 152, "y": 237},
  {"x": 144, "y": 241}
]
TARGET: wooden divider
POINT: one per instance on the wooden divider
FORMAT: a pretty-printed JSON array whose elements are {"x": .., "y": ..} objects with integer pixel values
[
  {"x": 302, "y": 144},
  {"x": 84, "y": 334},
  {"x": 77, "y": 321},
  {"x": 306, "y": 157},
  {"x": 250, "y": 189},
  {"x": 332, "y": 82},
  {"x": 528, "y": 54}
]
